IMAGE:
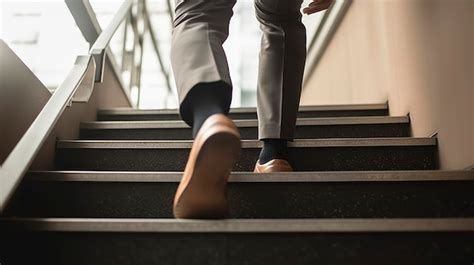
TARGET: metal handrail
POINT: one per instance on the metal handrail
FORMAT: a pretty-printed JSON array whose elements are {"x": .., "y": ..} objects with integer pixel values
[
  {"x": 87, "y": 22},
  {"x": 76, "y": 87},
  {"x": 77, "y": 82},
  {"x": 325, "y": 31},
  {"x": 100, "y": 45}
]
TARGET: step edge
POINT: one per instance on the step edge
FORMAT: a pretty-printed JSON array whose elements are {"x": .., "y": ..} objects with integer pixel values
[
  {"x": 248, "y": 177},
  {"x": 301, "y": 143},
  {"x": 338, "y": 107},
  {"x": 349, "y": 225},
  {"x": 302, "y": 122}
]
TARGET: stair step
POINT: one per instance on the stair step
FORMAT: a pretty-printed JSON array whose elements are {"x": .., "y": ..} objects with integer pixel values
[
  {"x": 304, "y": 155},
  {"x": 244, "y": 241},
  {"x": 124, "y": 114},
  {"x": 375, "y": 126},
  {"x": 371, "y": 194},
  {"x": 305, "y": 225}
]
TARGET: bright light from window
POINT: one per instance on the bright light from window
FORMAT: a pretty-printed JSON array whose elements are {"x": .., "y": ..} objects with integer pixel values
[{"x": 46, "y": 38}]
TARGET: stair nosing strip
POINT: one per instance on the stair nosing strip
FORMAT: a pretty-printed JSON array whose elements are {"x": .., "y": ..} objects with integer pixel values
[
  {"x": 248, "y": 177},
  {"x": 341, "y": 107},
  {"x": 243, "y": 225},
  {"x": 302, "y": 122},
  {"x": 301, "y": 143}
]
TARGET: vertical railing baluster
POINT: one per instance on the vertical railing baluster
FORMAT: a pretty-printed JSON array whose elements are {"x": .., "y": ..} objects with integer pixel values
[
  {"x": 124, "y": 46},
  {"x": 170, "y": 11},
  {"x": 134, "y": 50},
  {"x": 141, "y": 32}
]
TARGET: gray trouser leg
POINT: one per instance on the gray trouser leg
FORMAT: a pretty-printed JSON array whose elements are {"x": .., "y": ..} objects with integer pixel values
[
  {"x": 197, "y": 56},
  {"x": 200, "y": 29},
  {"x": 282, "y": 60}
]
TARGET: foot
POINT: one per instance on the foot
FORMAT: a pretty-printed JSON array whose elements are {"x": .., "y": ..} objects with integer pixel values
[
  {"x": 275, "y": 165},
  {"x": 202, "y": 192}
]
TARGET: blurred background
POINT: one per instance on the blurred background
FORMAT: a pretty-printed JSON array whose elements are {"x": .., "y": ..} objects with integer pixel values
[
  {"x": 44, "y": 31},
  {"x": 416, "y": 55}
]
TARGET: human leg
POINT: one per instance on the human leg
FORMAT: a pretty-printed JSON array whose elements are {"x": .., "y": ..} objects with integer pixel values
[
  {"x": 198, "y": 60},
  {"x": 204, "y": 90},
  {"x": 282, "y": 60}
]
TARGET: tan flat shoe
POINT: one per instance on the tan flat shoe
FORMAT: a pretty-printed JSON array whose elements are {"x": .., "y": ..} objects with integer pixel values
[
  {"x": 275, "y": 165},
  {"x": 202, "y": 192}
]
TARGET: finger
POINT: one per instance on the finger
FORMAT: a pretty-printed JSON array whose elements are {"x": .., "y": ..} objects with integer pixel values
[
  {"x": 317, "y": 7},
  {"x": 312, "y": 10}
]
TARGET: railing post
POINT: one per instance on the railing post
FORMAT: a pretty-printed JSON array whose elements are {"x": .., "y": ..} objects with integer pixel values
[
  {"x": 141, "y": 32},
  {"x": 170, "y": 11},
  {"x": 124, "y": 44}
]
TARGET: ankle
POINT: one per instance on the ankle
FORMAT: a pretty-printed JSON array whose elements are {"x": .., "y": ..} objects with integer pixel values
[
  {"x": 205, "y": 100},
  {"x": 273, "y": 149},
  {"x": 201, "y": 116}
]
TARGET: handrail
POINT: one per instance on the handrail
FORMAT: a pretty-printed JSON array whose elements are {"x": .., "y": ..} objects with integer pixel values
[
  {"x": 326, "y": 29},
  {"x": 87, "y": 22},
  {"x": 23, "y": 154},
  {"x": 102, "y": 42},
  {"x": 77, "y": 87}
]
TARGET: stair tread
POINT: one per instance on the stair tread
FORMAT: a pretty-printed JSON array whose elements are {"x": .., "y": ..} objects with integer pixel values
[
  {"x": 332, "y": 154},
  {"x": 382, "y": 202},
  {"x": 130, "y": 111},
  {"x": 301, "y": 176},
  {"x": 348, "y": 194},
  {"x": 167, "y": 225},
  {"x": 246, "y": 123},
  {"x": 306, "y": 128},
  {"x": 180, "y": 144}
]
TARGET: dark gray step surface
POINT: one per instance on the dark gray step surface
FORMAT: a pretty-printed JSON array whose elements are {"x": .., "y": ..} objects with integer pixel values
[
  {"x": 256, "y": 241},
  {"x": 306, "y": 128},
  {"x": 247, "y": 113},
  {"x": 372, "y": 194},
  {"x": 304, "y": 155}
]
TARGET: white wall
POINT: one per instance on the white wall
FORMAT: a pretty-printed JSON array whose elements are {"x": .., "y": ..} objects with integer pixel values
[{"x": 418, "y": 55}]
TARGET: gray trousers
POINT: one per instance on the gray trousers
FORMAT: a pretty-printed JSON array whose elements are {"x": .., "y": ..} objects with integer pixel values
[{"x": 197, "y": 56}]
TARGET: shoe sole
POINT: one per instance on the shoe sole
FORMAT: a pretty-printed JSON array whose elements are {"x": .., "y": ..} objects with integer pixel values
[
  {"x": 203, "y": 194},
  {"x": 272, "y": 167}
]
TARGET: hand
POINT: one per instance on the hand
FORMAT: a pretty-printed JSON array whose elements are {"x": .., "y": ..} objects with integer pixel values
[{"x": 317, "y": 6}]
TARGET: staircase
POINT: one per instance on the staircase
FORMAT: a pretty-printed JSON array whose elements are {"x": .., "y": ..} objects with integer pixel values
[{"x": 364, "y": 192}]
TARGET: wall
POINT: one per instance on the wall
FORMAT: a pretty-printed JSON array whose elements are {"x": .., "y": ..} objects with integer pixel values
[
  {"x": 23, "y": 96},
  {"x": 418, "y": 55},
  {"x": 105, "y": 95}
]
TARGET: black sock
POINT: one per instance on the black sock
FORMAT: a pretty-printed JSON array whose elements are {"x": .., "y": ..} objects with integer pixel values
[
  {"x": 273, "y": 149},
  {"x": 204, "y": 100},
  {"x": 205, "y": 108}
]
